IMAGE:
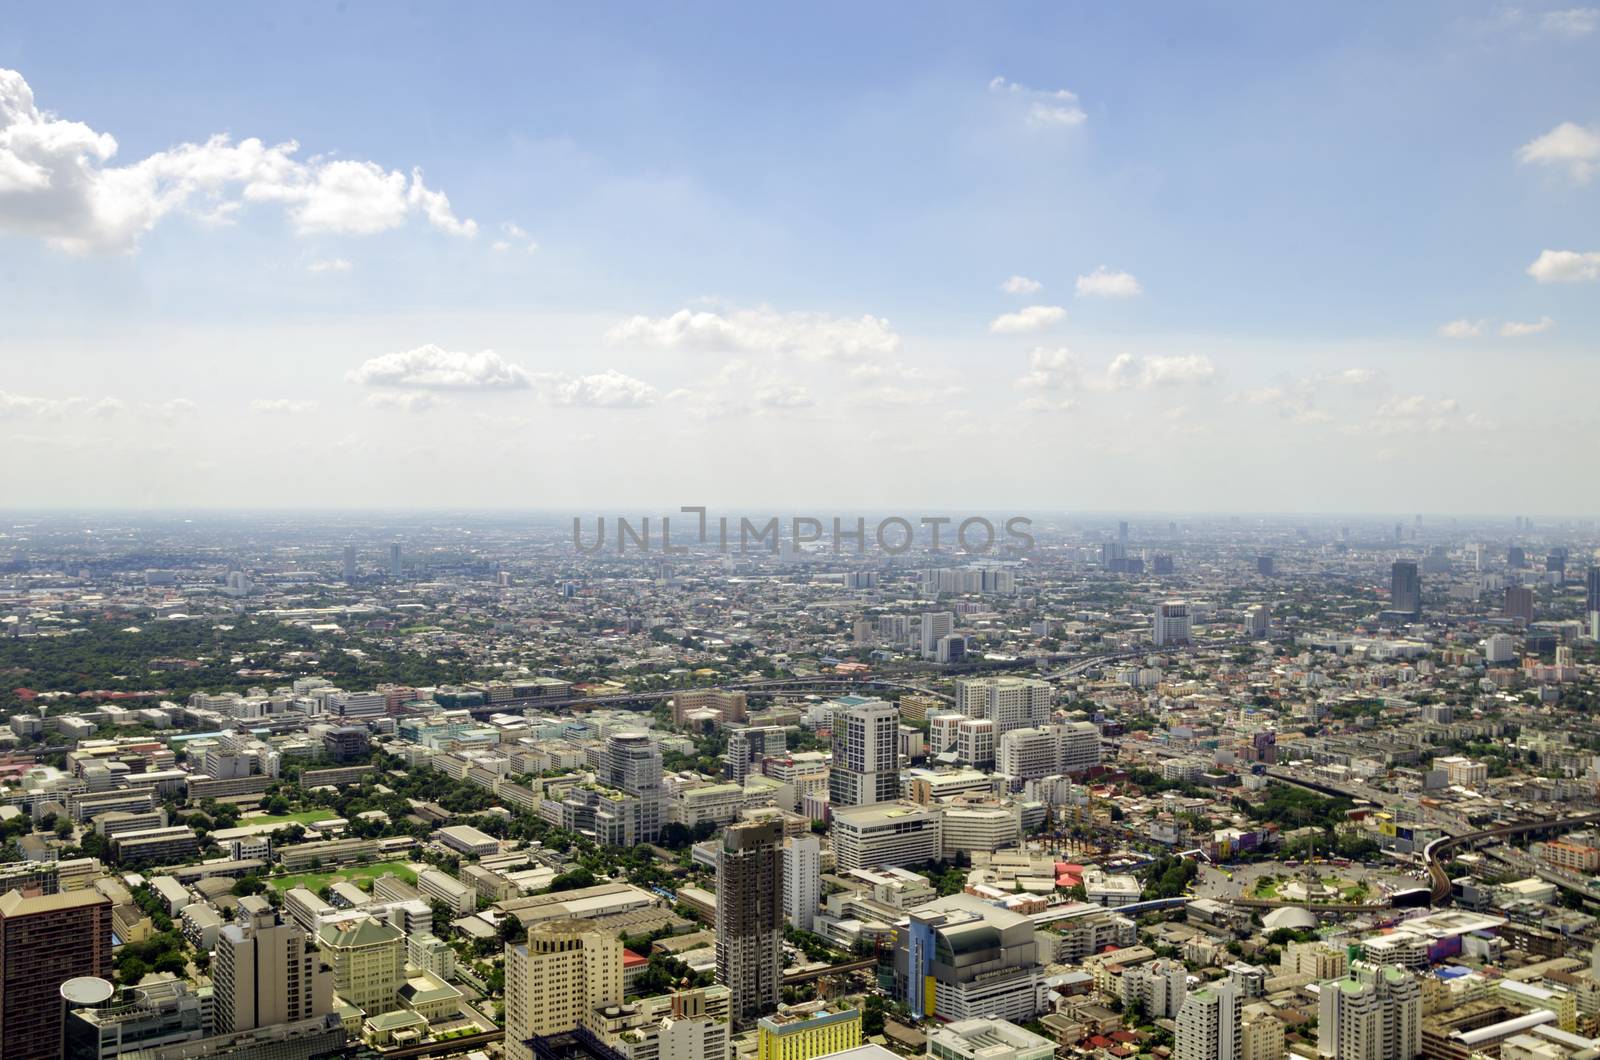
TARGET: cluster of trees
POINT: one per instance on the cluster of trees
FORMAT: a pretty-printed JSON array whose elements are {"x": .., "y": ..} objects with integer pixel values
[
  {"x": 1290, "y": 807},
  {"x": 1168, "y": 877}
]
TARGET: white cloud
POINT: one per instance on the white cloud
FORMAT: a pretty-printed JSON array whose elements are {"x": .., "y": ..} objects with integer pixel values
[
  {"x": 1057, "y": 109},
  {"x": 432, "y": 368},
  {"x": 411, "y": 401},
  {"x": 1350, "y": 377},
  {"x": 1571, "y": 22},
  {"x": 1566, "y": 266},
  {"x": 56, "y": 184},
  {"x": 282, "y": 406},
  {"x": 609, "y": 389},
  {"x": 24, "y": 406},
  {"x": 1462, "y": 329},
  {"x": 1144, "y": 373},
  {"x": 1033, "y": 318},
  {"x": 1021, "y": 285},
  {"x": 1049, "y": 369},
  {"x": 760, "y": 330},
  {"x": 1516, "y": 329},
  {"x": 739, "y": 387},
  {"x": 330, "y": 265},
  {"x": 1106, "y": 283},
  {"x": 514, "y": 236},
  {"x": 1569, "y": 146}
]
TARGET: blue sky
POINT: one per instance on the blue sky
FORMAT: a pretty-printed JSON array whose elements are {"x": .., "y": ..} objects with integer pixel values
[{"x": 1313, "y": 232}]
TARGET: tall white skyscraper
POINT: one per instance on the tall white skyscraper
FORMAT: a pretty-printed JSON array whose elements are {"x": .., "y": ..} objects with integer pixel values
[
  {"x": 865, "y": 738},
  {"x": 264, "y": 972},
  {"x": 1208, "y": 1024},
  {"x": 936, "y": 625},
  {"x": 394, "y": 560},
  {"x": 802, "y": 880},
  {"x": 1373, "y": 1013}
]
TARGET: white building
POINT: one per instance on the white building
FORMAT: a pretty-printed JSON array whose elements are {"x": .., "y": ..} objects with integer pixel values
[
  {"x": 865, "y": 737},
  {"x": 802, "y": 880},
  {"x": 1208, "y": 1024},
  {"x": 1009, "y": 702},
  {"x": 898, "y": 833},
  {"x": 1371, "y": 1014},
  {"x": 936, "y": 626},
  {"x": 1028, "y": 754}
]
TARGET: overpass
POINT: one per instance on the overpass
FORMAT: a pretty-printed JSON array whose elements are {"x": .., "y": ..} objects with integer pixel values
[
  {"x": 862, "y": 965},
  {"x": 845, "y": 685},
  {"x": 1437, "y": 852}
]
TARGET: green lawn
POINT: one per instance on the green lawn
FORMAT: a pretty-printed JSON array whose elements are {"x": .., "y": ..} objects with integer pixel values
[
  {"x": 313, "y": 881},
  {"x": 303, "y": 817}
]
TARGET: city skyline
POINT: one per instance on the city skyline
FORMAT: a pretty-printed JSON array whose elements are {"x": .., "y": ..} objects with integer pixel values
[{"x": 589, "y": 271}]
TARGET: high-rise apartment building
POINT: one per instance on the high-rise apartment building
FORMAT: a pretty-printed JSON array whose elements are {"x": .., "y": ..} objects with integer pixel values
[
  {"x": 1208, "y": 1024},
  {"x": 1405, "y": 588},
  {"x": 394, "y": 560},
  {"x": 266, "y": 972},
  {"x": 564, "y": 970},
  {"x": 632, "y": 763},
  {"x": 1009, "y": 702},
  {"x": 44, "y": 941},
  {"x": 865, "y": 738},
  {"x": 1372, "y": 1013},
  {"x": 349, "y": 563},
  {"x": 749, "y": 918},
  {"x": 1172, "y": 623},
  {"x": 802, "y": 880}
]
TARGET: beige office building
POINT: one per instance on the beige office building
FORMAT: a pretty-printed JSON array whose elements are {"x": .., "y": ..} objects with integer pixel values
[{"x": 553, "y": 980}]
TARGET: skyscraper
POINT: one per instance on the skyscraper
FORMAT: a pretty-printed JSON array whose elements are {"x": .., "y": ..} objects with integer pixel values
[
  {"x": 44, "y": 941},
  {"x": 632, "y": 764},
  {"x": 1592, "y": 601},
  {"x": 1405, "y": 588},
  {"x": 1519, "y": 603},
  {"x": 1172, "y": 624},
  {"x": 1208, "y": 1024},
  {"x": 266, "y": 972},
  {"x": 560, "y": 973},
  {"x": 749, "y": 922},
  {"x": 865, "y": 738},
  {"x": 1371, "y": 1014},
  {"x": 349, "y": 563},
  {"x": 394, "y": 560},
  {"x": 936, "y": 626},
  {"x": 802, "y": 880}
]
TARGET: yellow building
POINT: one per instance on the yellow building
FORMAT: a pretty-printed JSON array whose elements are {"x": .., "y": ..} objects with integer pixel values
[
  {"x": 1261, "y": 1038},
  {"x": 556, "y": 978},
  {"x": 368, "y": 959},
  {"x": 804, "y": 1032}
]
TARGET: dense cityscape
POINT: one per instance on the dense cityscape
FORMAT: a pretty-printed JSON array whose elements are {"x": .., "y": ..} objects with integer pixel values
[{"x": 1227, "y": 788}]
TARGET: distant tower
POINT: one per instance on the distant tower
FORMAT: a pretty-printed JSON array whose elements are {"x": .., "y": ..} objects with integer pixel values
[
  {"x": 349, "y": 563},
  {"x": 750, "y": 919},
  {"x": 394, "y": 560},
  {"x": 1405, "y": 588}
]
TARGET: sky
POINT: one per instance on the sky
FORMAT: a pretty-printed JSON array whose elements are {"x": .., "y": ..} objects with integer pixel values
[{"x": 1066, "y": 256}]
